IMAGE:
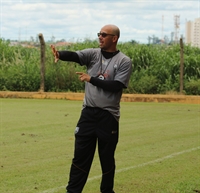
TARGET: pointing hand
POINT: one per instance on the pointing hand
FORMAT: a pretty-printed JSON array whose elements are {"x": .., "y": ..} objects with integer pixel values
[{"x": 83, "y": 76}]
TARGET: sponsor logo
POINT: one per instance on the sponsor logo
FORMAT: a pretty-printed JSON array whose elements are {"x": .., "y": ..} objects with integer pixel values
[{"x": 76, "y": 130}]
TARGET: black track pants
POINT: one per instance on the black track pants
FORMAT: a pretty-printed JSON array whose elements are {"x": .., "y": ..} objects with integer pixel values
[{"x": 94, "y": 126}]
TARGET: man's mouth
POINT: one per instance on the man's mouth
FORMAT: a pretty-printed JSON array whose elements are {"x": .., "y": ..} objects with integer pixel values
[{"x": 100, "y": 43}]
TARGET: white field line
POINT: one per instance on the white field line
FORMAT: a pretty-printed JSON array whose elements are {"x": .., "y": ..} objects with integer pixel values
[{"x": 131, "y": 167}]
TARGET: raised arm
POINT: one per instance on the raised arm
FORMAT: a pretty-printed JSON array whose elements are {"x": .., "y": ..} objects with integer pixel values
[{"x": 65, "y": 55}]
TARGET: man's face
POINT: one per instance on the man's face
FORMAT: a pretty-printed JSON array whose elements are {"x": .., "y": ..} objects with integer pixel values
[{"x": 106, "y": 38}]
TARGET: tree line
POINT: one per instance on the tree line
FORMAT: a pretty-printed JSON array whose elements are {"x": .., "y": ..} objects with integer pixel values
[{"x": 156, "y": 68}]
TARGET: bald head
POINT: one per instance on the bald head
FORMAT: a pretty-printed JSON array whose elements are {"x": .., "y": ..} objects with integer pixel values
[{"x": 113, "y": 29}]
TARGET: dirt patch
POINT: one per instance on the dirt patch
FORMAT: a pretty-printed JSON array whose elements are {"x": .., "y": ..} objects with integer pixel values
[{"x": 125, "y": 97}]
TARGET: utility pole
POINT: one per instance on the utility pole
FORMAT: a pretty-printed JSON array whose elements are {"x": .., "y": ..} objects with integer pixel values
[
  {"x": 19, "y": 38},
  {"x": 176, "y": 27},
  {"x": 162, "y": 34}
]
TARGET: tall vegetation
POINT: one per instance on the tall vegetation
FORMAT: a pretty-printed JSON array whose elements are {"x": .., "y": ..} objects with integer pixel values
[{"x": 156, "y": 68}]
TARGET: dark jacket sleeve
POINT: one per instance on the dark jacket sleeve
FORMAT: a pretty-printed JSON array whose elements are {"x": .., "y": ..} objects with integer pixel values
[
  {"x": 109, "y": 85},
  {"x": 69, "y": 56}
]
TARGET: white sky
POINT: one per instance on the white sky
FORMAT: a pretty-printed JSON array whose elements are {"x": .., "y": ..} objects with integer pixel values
[{"x": 75, "y": 20}]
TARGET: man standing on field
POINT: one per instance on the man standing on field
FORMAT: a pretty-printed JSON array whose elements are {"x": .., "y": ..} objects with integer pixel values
[{"x": 108, "y": 73}]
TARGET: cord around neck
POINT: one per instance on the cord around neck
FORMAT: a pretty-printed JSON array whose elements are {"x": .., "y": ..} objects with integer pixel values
[{"x": 108, "y": 55}]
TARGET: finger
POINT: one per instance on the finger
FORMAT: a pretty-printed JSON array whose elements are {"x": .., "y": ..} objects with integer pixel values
[
  {"x": 57, "y": 54},
  {"x": 54, "y": 51},
  {"x": 53, "y": 48},
  {"x": 56, "y": 60},
  {"x": 80, "y": 73},
  {"x": 82, "y": 79}
]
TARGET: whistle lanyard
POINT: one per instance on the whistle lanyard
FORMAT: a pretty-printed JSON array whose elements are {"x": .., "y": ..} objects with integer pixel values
[{"x": 106, "y": 65}]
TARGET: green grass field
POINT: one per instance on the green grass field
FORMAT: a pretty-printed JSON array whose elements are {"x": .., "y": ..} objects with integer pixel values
[{"x": 158, "y": 150}]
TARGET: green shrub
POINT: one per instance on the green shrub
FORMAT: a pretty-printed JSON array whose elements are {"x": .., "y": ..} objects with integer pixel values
[
  {"x": 156, "y": 68},
  {"x": 22, "y": 78},
  {"x": 146, "y": 85},
  {"x": 192, "y": 87},
  {"x": 62, "y": 77}
]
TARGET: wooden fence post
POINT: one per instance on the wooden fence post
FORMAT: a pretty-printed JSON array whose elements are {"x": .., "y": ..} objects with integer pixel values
[
  {"x": 181, "y": 66},
  {"x": 42, "y": 65}
]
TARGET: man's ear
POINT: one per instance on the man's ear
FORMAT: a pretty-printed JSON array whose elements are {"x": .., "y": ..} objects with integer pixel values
[{"x": 115, "y": 38}]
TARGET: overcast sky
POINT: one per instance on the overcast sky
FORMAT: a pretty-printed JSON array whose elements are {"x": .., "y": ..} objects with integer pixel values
[{"x": 75, "y": 20}]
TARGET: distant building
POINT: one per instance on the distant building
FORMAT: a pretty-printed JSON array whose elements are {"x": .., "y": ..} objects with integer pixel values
[{"x": 192, "y": 30}]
